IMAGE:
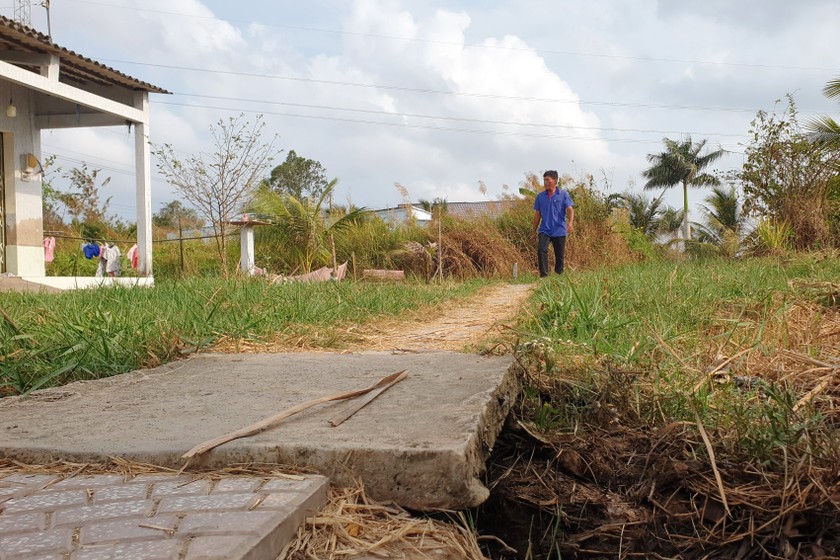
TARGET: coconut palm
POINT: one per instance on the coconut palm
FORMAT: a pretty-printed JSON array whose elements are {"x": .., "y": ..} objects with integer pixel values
[
  {"x": 648, "y": 216},
  {"x": 825, "y": 129},
  {"x": 302, "y": 226},
  {"x": 723, "y": 225},
  {"x": 681, "y": 163}
]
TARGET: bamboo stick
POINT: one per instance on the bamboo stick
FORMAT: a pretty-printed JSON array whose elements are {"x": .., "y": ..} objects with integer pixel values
[{"x": 269, "y": 422}]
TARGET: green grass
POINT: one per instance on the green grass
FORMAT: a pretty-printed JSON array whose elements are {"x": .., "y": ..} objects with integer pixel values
[
  {"x": 639, "y": 342},
  {"x": 53, "y": 339}
]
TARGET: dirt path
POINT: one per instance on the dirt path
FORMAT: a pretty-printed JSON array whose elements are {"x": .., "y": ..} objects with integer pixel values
[{"x": 477, "y": 320}]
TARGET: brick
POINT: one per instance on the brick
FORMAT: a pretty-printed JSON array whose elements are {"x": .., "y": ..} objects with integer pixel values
[
  {"x": 21, "y": 523},
  {"x": 218, "y": 548},
  {"x": 240, "y": 485},
  {"x": 121, "y": 492},
  {"x": 89, "y": 481},
  {"x": 53, "y": 540},
  {"x": 47, "y": 501},
  {"x": 41, "y": 556},
  {"x": 147, "y": 550},
  {"x": 181, "y": 488},
  {"x": 288, "y": 485},
  {"x": 206, "y": 503},
  {"x": 282, "y": 500},
  {"x": 161, "y": 477},
  {"x": 21, "y": 480},
  {"x": 101, "y": 512},
  {"x": 254, "y": 522},
  {"x": 127, "y": 529}
]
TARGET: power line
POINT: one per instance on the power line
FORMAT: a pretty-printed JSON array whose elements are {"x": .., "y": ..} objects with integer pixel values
[
  {"x": 407, "y": 89},
  {"x": 406, "y": 125},
  {"x": 461, "y": 119},
  {"x": 467, "y": 45}
]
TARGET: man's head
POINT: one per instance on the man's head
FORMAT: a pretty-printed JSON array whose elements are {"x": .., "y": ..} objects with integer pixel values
[{"x": 550, "y": 179}]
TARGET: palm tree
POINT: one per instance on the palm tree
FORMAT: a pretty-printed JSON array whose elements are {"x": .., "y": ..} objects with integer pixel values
[
  {"x": 302, "y": 225},
  {"x": 723, "y": 226},
  {"x": 644, "y": 214},
  {"x": 824, "y": 129},
  {"x": 681, "y": 163}
]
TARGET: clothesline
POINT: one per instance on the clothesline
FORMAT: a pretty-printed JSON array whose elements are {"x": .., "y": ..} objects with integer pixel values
[{"x": 62, "y": 236}]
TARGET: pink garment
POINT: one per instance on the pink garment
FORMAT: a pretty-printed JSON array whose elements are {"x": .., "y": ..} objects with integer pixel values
[
  {"x": 49, "y": 249},
  {"x": 133, "y": 256}
]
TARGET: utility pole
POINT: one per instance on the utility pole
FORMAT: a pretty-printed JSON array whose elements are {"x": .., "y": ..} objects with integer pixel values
[
  {"x": 23, "y": 12},
  {"x": 46, "y": 5}
]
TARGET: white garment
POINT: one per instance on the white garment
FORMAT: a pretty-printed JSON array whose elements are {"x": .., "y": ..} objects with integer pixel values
[{"x": 111, "y": 254}]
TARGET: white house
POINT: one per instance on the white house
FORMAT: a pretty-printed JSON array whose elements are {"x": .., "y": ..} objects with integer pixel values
[
  {"x": 47, "y": 87},
  {"x": 396, "y": 215}
]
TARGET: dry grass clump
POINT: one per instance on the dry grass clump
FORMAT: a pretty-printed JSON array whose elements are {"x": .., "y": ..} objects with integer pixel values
[
  {"x": 478, "y": 248},
  {"x": 352, "y": 525}
]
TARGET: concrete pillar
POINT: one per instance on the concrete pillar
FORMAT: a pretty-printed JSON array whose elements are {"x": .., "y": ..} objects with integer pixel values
[
  {"x": 142, "y": 165},
  {"x": 246, "y": 246}
]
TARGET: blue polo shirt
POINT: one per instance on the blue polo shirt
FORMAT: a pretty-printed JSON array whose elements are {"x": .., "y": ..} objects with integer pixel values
[{"x": 553, "y": 212}]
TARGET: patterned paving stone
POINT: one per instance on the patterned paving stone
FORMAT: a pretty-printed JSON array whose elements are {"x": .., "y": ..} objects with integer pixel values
[{"x": 149, "y": 517}]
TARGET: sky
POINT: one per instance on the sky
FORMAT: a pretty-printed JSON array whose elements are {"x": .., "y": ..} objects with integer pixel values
[{"x": 457, "y": 99}]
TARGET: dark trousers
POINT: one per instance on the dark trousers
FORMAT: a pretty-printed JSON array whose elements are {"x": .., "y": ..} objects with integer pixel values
[{"x": 559, "y": 244}]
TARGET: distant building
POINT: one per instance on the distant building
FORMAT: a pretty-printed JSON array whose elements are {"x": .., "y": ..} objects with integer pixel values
[
  {"x": 401, "y": 214},
  {"x": 461, "y": 210}
]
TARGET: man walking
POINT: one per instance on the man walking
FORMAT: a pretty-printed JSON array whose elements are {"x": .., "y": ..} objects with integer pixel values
[{"x": 553, "y": 221}]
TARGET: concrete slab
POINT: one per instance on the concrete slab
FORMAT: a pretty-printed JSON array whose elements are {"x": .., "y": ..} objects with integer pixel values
[
  {"x": 158, "y": 515},
  {"x": 422, "y": 444}
]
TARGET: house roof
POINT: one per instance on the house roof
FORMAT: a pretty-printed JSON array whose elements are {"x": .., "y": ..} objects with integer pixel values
[
  {"x": 75, "y": 68},
  {"x": 490, "y": 208}
]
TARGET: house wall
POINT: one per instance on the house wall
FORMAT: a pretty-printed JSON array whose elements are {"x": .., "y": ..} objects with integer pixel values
[{"x": 23, "y": 202}]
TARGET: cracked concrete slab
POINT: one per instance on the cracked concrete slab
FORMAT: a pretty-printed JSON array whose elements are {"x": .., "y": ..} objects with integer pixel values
[{"x": 422, "y": 444}]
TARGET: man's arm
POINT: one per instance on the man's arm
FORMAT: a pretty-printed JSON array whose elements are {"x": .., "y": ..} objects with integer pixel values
[
  {"x": 537, "y": 218},
  {"x": 570, "y": 219}
]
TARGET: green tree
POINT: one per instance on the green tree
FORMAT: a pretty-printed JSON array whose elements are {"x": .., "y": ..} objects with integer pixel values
[
  {"x": 81, "y": 200},
  {"x": 825, "y": 129},
  {"x": 221, "y": 183},
  {"x": 173, "y": 214},
  {"x": 301, "y": 228},
  {"x": 299, "y": 177},
  {"x": 648, "y": 216},
  {"x": 788, "y": 177},
  {"x": 723, "y": 222},
  {"x": 681, "y": 163}
]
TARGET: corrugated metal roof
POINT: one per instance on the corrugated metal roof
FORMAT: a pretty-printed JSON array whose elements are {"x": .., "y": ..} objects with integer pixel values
[
  {"x": 490, "y": 208},
  {"x": 74, "y": 67}
]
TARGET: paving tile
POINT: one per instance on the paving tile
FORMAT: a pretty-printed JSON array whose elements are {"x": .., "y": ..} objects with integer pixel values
[
  {"x": 206, "y": 503},
  {"x": 218, "y": 548},
  {"x": 52, "y": 540},
  {"x": 47, "y": 501},
  {"x": 195, "y": 524},
  {"x": 89, "y": 481},
  {"x": 21, "y": 480},
  {"x": 240, "y": 485},
  {"x": 120, "y": 492},
  {"x": 184, "y": 487},
  {"x": 100, "y": 512},
  {"x": 146, "y": 528},
  {"x": 148, "y": 550},
  {"x": 22, "y": 522}
]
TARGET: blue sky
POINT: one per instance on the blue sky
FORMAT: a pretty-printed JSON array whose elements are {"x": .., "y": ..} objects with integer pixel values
[{"x": 443, "y": 96}]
